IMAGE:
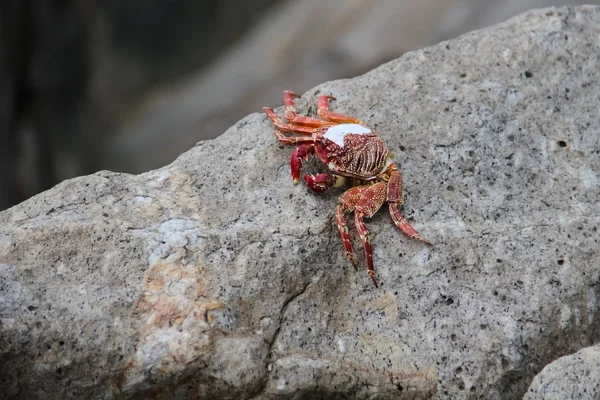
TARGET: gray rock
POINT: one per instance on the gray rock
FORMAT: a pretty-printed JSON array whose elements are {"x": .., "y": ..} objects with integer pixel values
[
  {"x": 217, "y": 277},
  {"x": 576, "y": 376}
]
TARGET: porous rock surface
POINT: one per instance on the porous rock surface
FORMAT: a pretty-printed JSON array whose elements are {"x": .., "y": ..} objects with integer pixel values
[
  {"x": 217, "y": 277},
  {"x": 576, "y": 376}
]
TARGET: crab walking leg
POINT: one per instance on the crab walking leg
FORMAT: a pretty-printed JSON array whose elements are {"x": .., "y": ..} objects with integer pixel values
[
  {"x": 342, "y": 225},
  {"x": 292, "y": 140},
  {"x": 395, "y": 198},
  {"x": 348, "y": 202},
  {"x": 279, "y": 124},
  {"x": 365, "y": 237},
  {"x": 404, "y": 226},
  {"x": 292, "y": 117},
  {"x": 288, "y": 103},
  {"x": 322, "y": 182},
  {"x": 371, "y": 200},
  {"x": 323, "y": 112}
]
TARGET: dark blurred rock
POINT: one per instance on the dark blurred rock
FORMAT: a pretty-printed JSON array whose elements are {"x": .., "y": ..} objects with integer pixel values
[
  {"x": 69, "y": 69},
  {"x": 151, "y": 42},
  {"x": 45, "y": 72},
  {"x": 12, "y": 75}
]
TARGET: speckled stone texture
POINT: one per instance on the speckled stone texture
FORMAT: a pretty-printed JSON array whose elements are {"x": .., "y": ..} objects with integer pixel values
[
  {"x": 217, "y": 277},
  {"x": 576, "y": 376}
]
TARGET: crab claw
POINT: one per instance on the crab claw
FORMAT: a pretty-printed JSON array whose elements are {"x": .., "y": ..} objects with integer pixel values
[
  {"x": 318, "y": 183},
  {"x": 322, "y": 182},
  {"x": 299, "y": 154}
]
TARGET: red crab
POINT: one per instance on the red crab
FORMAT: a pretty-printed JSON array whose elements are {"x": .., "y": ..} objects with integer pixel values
[{"x": 352, "y": 150}]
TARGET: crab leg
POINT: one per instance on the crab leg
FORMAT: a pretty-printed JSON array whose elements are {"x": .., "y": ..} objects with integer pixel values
[
  {"x": 292, "y": 117},
  {"x": 371, "y": 200},
  {"x": 342, "y": 225},
  {"x": 395, "y": 198},
  {"x": 279, "y": 124},
  {"x": 293, "y": 140},
  {"x": 323, "y": 112},
  {"x": 348, "y": 202}
]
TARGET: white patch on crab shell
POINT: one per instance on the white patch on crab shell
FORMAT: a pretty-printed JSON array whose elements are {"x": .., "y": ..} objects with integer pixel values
[{"x": 337, "y": 132}]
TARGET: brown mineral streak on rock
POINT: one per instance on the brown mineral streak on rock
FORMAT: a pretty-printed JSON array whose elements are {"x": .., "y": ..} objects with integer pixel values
[
  {"x": 174, "y": 295},
  {"x": 387, "y": 303}
]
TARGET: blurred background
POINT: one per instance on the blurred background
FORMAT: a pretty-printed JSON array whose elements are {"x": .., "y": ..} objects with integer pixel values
[{"x": 127, "y": 86}]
